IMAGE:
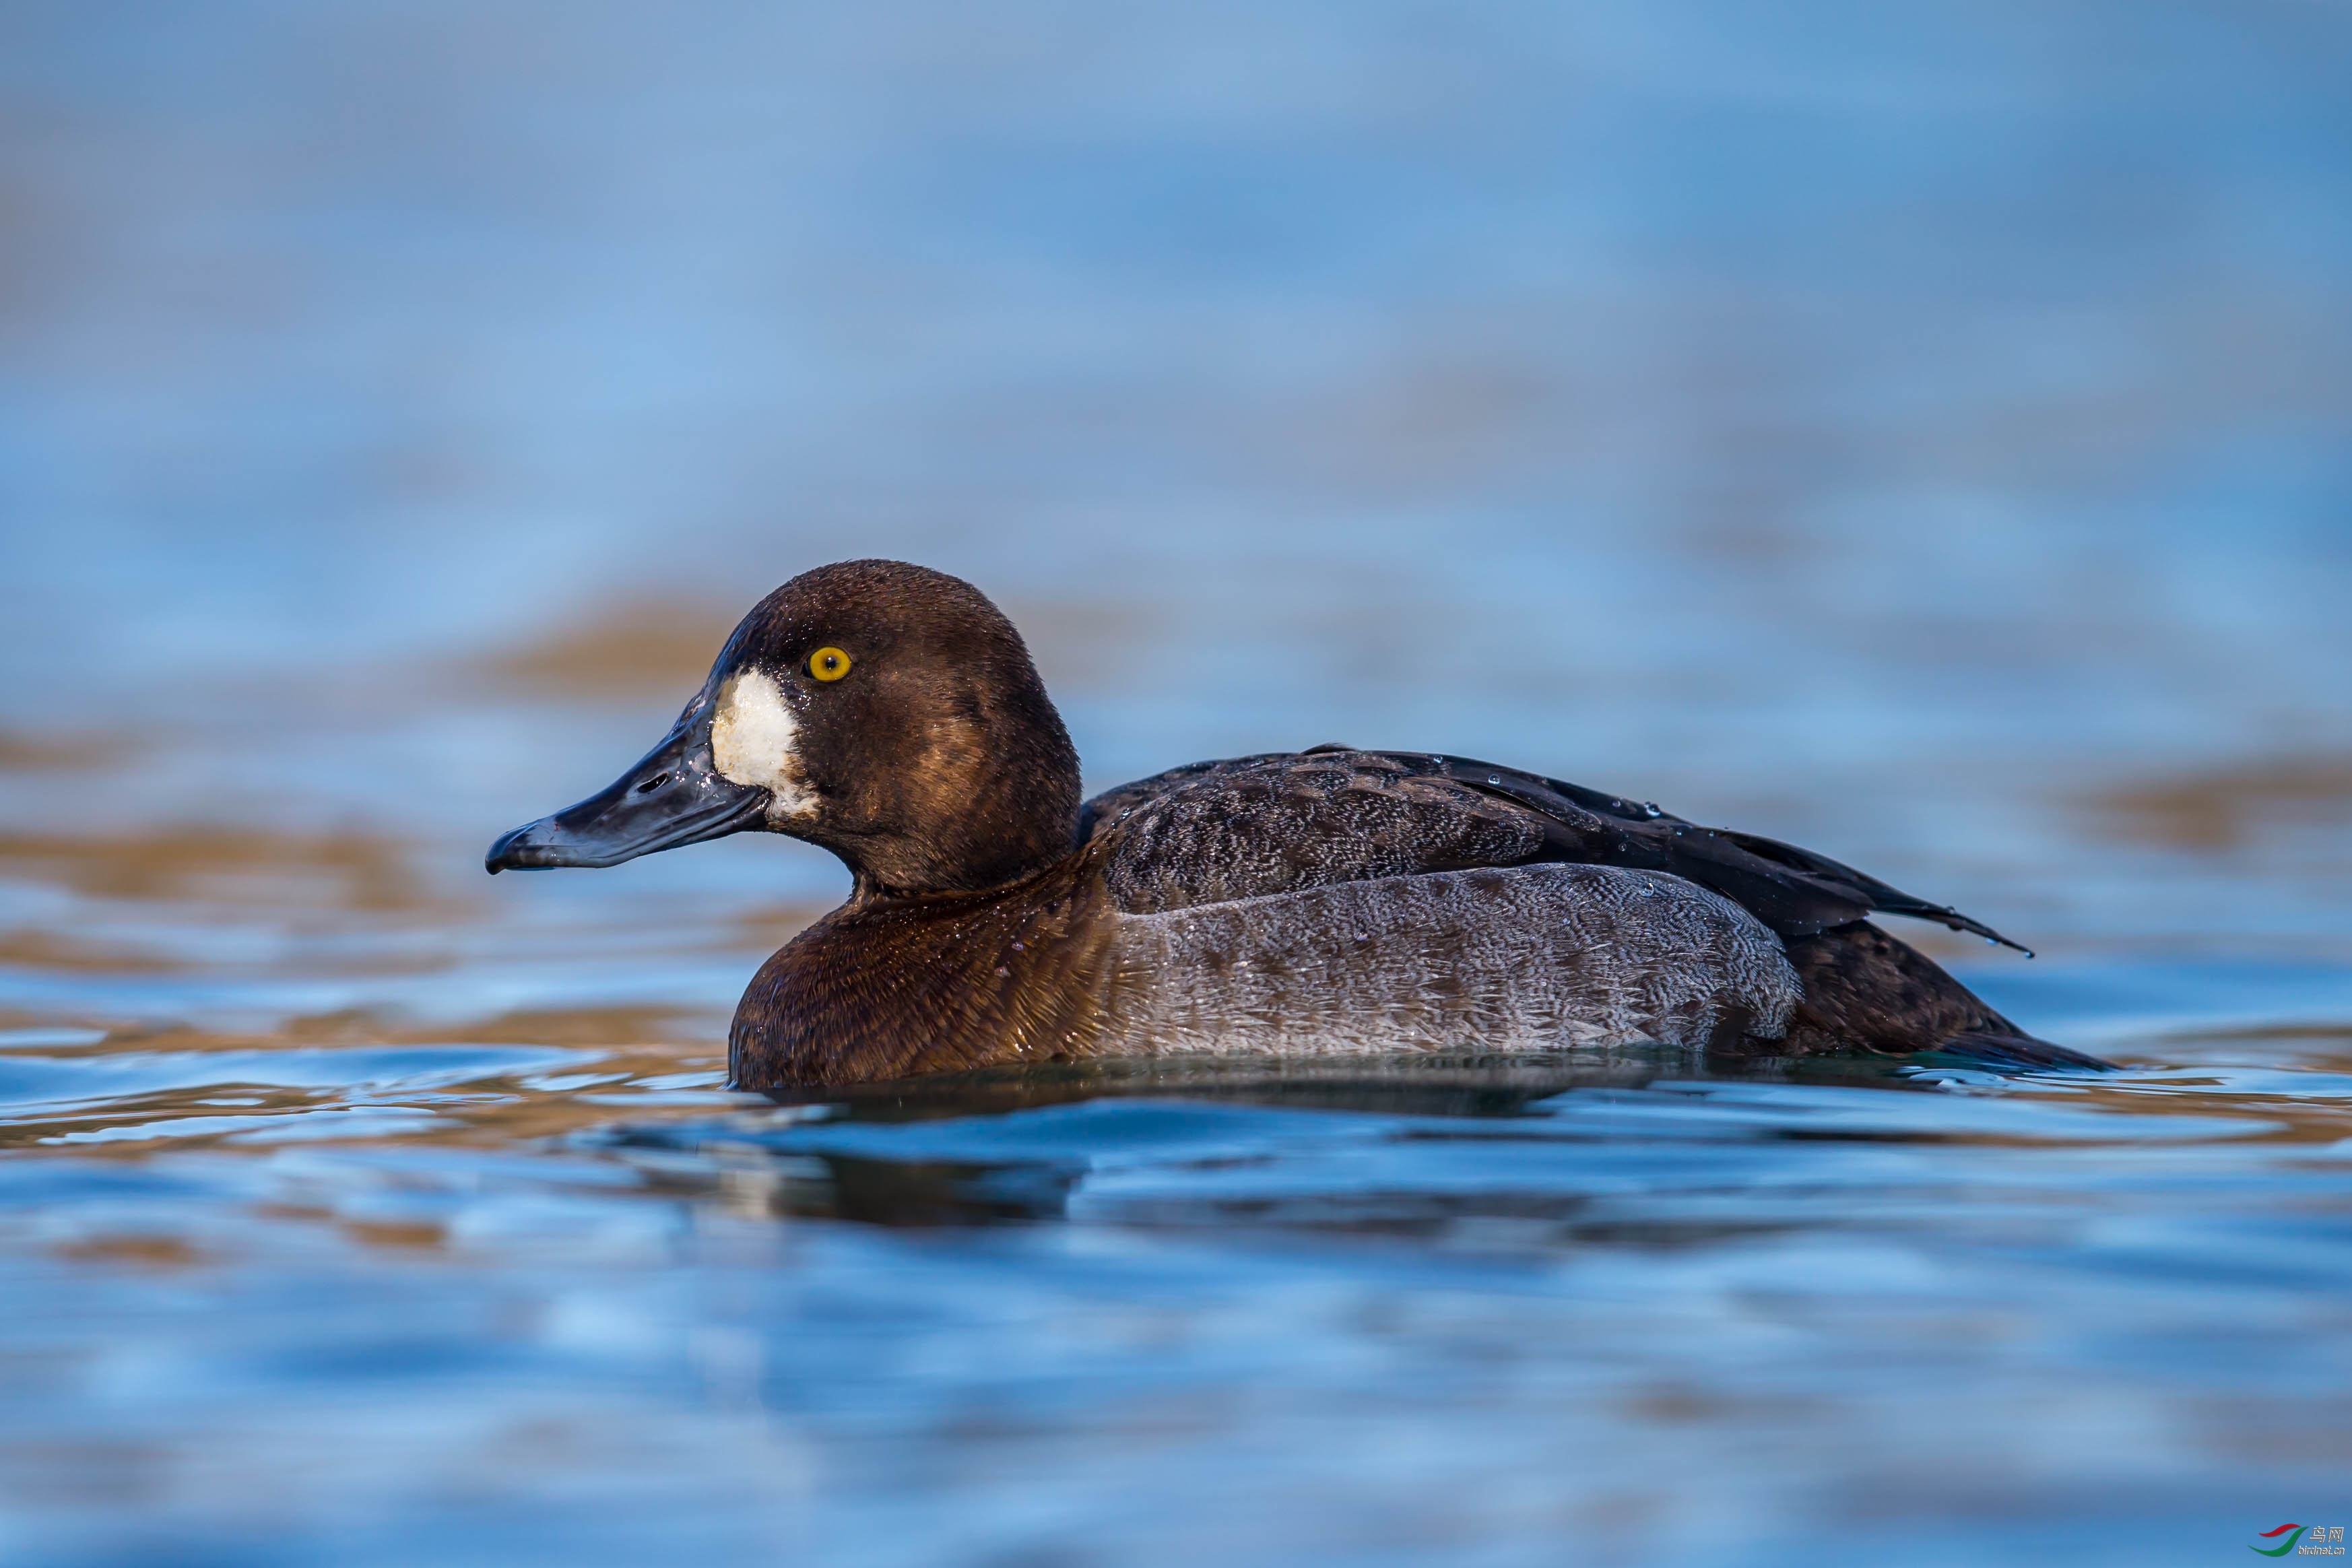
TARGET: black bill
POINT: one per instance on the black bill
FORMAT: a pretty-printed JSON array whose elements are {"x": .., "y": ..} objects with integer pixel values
[{"x": 674, "y": 796}]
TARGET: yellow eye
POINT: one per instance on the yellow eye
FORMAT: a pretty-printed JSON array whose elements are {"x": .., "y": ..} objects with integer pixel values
[{"x": 828, "y": 663}]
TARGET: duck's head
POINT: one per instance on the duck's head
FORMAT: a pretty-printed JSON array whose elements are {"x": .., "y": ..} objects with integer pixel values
[{"x": 887, "y": 712}]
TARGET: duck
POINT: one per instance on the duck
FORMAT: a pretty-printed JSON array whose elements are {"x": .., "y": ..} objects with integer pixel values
[{"x": 1327, "y": 901}]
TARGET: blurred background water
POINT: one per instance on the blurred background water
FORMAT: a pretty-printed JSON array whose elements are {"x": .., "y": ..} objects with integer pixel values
[{"x": 1924, "y": 434}]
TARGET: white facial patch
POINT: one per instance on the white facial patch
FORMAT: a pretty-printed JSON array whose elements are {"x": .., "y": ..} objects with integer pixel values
[{"x": 752, "y": 732}]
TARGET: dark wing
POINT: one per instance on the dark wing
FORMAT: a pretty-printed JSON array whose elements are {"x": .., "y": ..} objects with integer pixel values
[{"x": 1277, "y": 823}]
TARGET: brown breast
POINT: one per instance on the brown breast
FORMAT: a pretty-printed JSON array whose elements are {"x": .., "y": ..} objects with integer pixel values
[{"x": 891, "y": 987}]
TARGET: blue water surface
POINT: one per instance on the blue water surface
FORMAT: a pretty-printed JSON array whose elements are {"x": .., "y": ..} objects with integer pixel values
[{"x": 1922, "y": 433}]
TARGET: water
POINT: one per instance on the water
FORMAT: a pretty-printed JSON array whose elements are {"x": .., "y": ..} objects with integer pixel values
[{"x": 1921, "y": 437}]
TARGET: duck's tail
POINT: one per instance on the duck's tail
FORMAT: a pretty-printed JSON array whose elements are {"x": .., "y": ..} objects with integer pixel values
[{"x": 1864, "y": 989}]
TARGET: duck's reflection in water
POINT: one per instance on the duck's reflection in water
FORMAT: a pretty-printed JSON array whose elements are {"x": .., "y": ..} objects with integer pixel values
[{"x": 1183, "y": 1111}]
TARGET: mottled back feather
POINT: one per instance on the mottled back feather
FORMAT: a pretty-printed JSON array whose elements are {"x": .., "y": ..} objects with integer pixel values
[{"x": 1281, "y": 822}]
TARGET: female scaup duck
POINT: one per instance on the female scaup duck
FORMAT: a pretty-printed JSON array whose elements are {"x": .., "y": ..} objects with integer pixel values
[{"x": 1323, "y": 900}]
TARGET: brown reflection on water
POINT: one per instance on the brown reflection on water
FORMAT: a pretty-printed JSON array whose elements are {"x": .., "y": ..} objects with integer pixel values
[
  {"x": 637, "y": 1062},
  {"x": 2220, "y": 810},
  {"x": 244, "y": 866},
  {"x": 35, "y": 949},
  {"x": 41, "y": 754},
  {"x": 623, "y": 650},
  {"x": 145, "y": 1251}
]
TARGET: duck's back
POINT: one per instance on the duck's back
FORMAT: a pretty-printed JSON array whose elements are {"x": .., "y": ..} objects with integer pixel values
[
  {"x": 1256, "y": 825},
  {"x": 1340, "y": 900},
  {"x": 1344, "y": 900}
]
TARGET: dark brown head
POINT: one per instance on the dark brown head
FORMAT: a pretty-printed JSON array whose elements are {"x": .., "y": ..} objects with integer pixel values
[{"x": 886, "y": 711}]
